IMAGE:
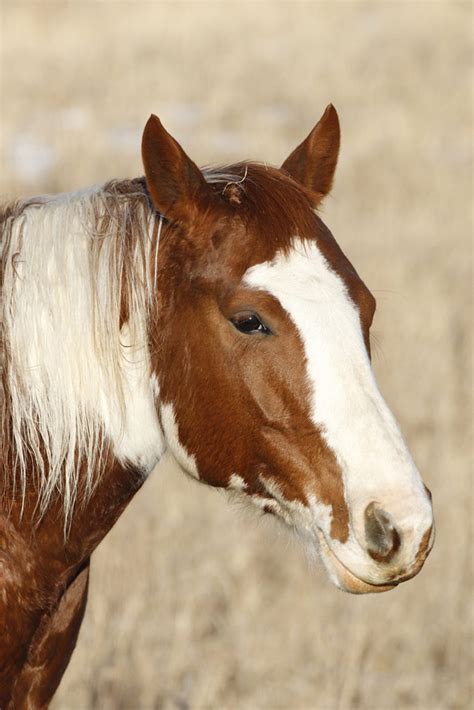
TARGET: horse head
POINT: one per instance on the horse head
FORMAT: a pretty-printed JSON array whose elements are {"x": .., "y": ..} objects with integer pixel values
[{"x": 260, "y": 346}]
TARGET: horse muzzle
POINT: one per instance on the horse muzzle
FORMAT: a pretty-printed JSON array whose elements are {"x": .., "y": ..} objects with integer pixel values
[{"x": 384, "y": 558}]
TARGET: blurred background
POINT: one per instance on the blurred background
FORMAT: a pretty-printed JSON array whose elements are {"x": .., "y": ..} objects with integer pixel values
[{"x": 195, "y": 603}]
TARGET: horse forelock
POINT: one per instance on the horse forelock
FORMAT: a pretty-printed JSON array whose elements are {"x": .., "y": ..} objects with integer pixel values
[{"x": 272, "y": 206}]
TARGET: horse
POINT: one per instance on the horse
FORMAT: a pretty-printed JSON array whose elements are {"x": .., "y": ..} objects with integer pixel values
[{"x": 211, "y": 313}]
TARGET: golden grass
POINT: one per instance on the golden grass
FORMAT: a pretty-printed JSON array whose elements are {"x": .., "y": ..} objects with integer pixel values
[{"x": 191, "y": 606}]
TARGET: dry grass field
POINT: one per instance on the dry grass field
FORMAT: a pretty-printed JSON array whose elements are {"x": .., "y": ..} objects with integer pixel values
[{"x": 195, "y": 604}]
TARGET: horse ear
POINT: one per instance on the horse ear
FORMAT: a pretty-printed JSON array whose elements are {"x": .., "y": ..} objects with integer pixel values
[
  {"x": 174, "y": 182},
  {"x": 313, "y": 162}
]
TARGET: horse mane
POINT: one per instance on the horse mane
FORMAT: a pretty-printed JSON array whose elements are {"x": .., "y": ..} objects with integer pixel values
[{"x": 75, "y": 267}]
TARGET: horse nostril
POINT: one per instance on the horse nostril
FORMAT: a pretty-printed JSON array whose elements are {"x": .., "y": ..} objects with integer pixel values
[{"x": 383, "y": 538}]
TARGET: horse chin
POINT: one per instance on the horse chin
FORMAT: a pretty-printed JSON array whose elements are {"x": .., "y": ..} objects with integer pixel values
[{"x": 342, "y": 577}]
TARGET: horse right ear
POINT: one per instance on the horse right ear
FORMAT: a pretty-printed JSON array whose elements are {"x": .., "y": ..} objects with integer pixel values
[
  {"x": 313, "y": 162},
  {"x": 175, "y": 184}
]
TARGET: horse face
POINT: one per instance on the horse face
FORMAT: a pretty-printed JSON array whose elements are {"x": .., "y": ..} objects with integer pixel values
[{"x": 262, "y": 349}]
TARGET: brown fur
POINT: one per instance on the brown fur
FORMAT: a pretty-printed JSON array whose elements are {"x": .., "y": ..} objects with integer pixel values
[{"x": 37, "y": 569}]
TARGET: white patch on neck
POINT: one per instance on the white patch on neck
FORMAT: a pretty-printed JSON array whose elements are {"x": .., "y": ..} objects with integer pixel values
[
  {"x": 155, "y": 387},
  {"x": 170, "y": 429},
  {"x": 346, "y": 404},
  {"x": 133, "y": 427}
]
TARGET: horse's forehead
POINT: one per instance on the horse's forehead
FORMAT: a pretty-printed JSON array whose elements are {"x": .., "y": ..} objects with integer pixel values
[
  {"x": 312, "y": 267},
  {"x": 308, "y": 270},
  {"x": 256, "y": 212}
]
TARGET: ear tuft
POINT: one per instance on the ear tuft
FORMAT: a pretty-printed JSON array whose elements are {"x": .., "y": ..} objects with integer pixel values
[
  {"x": 313, "y": 162},
  {"x": 174, "y": 182}
]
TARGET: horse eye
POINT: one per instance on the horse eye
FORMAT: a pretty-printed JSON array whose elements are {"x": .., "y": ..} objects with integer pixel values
[{"x": 249, "y": 323}]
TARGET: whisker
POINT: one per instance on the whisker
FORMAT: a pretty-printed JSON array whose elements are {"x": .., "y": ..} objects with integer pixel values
[{"x": 376, "y": 346}]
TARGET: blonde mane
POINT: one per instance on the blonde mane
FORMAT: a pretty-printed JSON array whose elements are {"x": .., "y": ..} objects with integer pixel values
[{"x": 75, "y": 267}]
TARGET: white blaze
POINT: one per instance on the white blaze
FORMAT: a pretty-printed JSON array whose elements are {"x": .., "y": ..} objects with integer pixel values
[
  {"x": 346, "y": 404},
  {"x": 170, "y": 428}
]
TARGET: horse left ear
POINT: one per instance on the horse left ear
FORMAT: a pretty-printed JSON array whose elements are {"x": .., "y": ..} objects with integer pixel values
[
  {"x": 175, "y": 183},
  {"x": 313, "y": 162}
]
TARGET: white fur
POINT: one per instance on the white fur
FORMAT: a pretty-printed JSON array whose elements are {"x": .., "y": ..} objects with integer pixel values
[
  {"x": 347, "y": 406},
  {"x": 237, "y": 483},
  {"x": 266, "y": 504},
  {"x": 135, "y": 432},
  {"x": 170, "y": 428},
  {"x": 155, "y": 387}
]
